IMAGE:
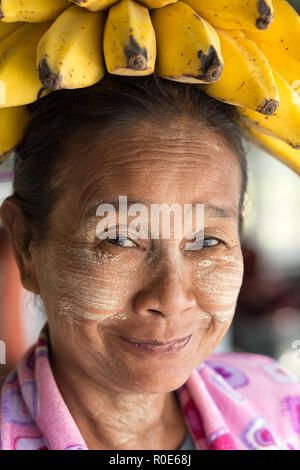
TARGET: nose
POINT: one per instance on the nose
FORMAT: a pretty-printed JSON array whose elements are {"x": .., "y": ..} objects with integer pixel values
[{"x": 168, "y": 294}]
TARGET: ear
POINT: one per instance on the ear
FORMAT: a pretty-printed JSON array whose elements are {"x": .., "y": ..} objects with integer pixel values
[{"x": 20, "y": 237}]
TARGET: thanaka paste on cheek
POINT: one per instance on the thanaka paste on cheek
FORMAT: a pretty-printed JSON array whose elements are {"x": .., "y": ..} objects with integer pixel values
[
  {"x": 84, "y": 287},
  {"x": 219, "y": 278}
]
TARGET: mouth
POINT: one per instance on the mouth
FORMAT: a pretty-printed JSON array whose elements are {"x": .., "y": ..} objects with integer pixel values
[
  {"x": 154, "y": 347},
  {"x": 158, "y": 343}
]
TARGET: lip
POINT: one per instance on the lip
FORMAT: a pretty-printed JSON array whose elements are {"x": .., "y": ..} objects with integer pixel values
[
  {"x": 157, "y": 343},
  {"x": 154, "y": 348}
]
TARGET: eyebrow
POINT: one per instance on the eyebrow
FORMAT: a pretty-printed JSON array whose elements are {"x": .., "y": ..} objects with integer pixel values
[{"x": 218, "y": 211}]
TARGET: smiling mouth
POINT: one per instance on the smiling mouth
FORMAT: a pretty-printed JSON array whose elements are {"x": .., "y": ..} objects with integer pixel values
[
  {"x": 157, "y": 343},
  {"x": 157, "y": 348}
]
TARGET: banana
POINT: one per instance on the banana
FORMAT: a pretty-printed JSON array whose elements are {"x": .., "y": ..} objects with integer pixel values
[
  {"x": 69, "y": 54},
  {"x": 21, "y": 84},
  {"x": 252, "y": 15},
  {"x": 188, "y": 48},
  {"x": 129, "y": 42},
  {"x": 32, "y": 11},
  {"x": 151, "y": 4},
  {"x": 285, "y": 122},
  {"x": 274, "y": 146},
  {"x": 94, "y": 5},
  {"x": 280, "y": 42},
  {"x": 12, "y": 125},
  {"x": 247, "y": 78},
  {"x": 7, "y": 28}
]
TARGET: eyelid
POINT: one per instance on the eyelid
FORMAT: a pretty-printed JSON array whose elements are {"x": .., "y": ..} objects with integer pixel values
[
  {"x": 108, "y": 240},
  {"x": 205, "y": 234},
  {"x": 226, "y": 238},
  {"x": 121, "y": 236},
  {"x": 213, "y": 238}
]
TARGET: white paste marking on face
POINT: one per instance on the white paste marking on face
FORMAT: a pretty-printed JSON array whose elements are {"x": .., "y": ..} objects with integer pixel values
[{"x": 220, "y": 278}]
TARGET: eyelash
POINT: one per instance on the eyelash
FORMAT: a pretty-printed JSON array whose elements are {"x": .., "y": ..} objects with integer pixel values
[{"x": 125, "y": 238}]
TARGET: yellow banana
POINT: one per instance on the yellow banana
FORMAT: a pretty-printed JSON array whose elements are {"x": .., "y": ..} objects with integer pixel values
[
  {"x": 274, "y": 146},
  {"x": 281, "y": 42},
  {"x": 21, "y": 84},
  {"x": 247, "y": 78},
  {"x": 12, "y": 124},
  {"x": 285, "y": 122},
  {"x": 151, "y": 4},
  {"x": 188, "y": 48},
  {"x": 129, "y": 42},
  {"x": 94, "y": 5},
  {"x": 252, "y": 15},
  {"x": 7, "y": 28},
  {"x": 32, "y": 11},
  {"x": 69, "y": 54}
]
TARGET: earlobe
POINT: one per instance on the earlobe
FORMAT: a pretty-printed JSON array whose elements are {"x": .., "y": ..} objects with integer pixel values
[{"x": 20, "y": 236}]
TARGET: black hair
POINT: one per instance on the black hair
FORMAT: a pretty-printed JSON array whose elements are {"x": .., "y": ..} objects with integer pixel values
[{"x": 115, "y": 101}]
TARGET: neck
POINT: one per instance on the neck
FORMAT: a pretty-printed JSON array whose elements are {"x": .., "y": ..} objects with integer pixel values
[{"x": 116, "y": 419}]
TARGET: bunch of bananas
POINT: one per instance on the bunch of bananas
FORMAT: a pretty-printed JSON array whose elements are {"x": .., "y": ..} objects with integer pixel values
[{"x": 245, "y": 53}]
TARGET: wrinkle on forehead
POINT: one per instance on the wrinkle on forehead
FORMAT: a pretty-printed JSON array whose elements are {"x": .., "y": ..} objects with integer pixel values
[
  {"x": 169, "y": 155},
  {"x": 125, "y": 144}
]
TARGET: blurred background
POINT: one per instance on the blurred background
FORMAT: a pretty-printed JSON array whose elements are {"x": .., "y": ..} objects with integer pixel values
[{"x": 267, "y": 318}]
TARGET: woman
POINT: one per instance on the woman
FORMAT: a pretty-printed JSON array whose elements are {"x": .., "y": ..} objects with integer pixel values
[{"x": 87, "y": 384}]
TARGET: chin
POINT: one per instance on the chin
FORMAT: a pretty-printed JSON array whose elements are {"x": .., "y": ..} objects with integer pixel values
[{"x": 162, "y": 380}]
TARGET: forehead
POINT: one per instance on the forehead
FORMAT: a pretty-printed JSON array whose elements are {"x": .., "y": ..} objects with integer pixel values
[{"x": 180, "y": 162}]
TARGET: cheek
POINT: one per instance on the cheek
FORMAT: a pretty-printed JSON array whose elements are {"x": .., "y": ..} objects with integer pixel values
[
  {"x": 81, "y": 284},
  {"x": 219, "y": 280}
]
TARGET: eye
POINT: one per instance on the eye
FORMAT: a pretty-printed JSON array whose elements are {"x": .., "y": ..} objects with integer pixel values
[
  {"x": 209, "y": 245},
  {"x": 208, "y": 242},
  {"x": 121, "y": 241}
]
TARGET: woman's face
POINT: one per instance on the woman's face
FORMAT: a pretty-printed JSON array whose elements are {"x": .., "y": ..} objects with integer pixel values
[{"x": 96, "y": 291}]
